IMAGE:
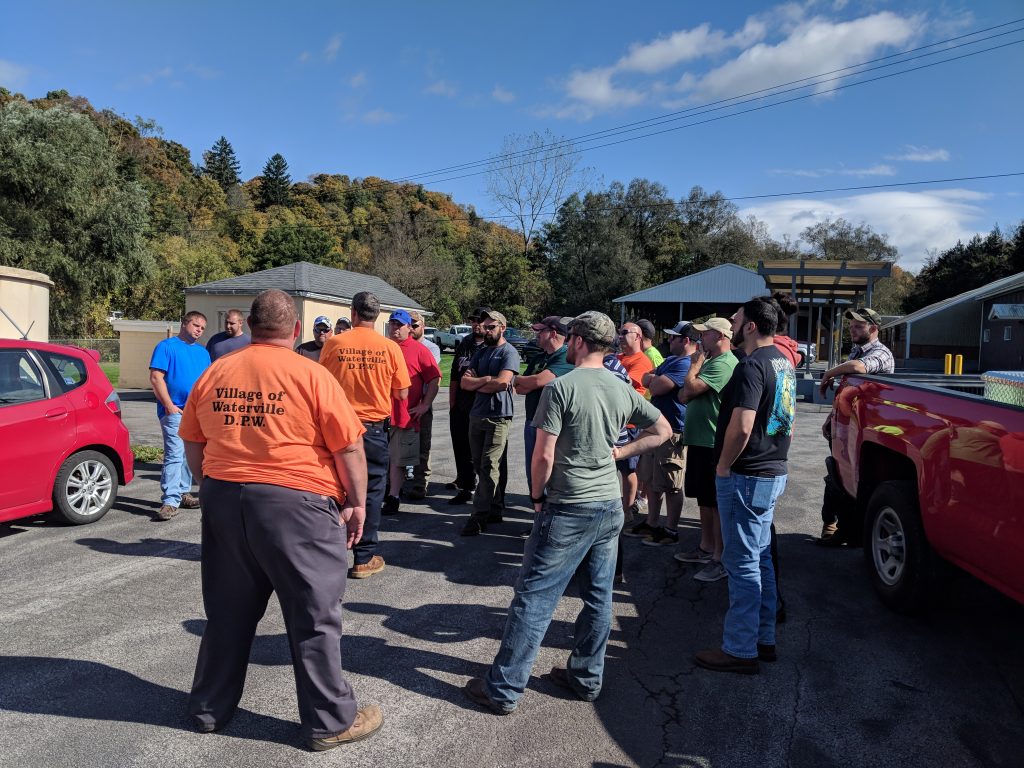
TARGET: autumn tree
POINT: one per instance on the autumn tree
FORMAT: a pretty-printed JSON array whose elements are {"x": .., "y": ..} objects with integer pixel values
[
  {"x": 838, "y": 239},
  {"x": 275, "y": 188},
  {"x": 220, "y": 163}
]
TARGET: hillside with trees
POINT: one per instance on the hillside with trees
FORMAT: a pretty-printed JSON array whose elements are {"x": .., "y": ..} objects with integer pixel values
[{"x": 121, "y": 218}]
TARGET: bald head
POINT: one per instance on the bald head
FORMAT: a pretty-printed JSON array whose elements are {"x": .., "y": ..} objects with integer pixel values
[{"x": 273, "y": 317}]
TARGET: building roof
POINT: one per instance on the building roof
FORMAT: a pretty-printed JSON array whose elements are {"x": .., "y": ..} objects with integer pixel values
[
  {"x": 1006, "y": 312},
  {"x": 311, "y": 281},
  {"x": 724, "y": 284},
  {"x": 834, "y": 279},
  {"x": 995, "y": 288}
]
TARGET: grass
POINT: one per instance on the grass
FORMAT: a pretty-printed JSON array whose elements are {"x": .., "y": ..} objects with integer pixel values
[
  {"x": 113, "y": 372},
  {"x": 446, "y": 368},
  {"x": 148, "y": 454}
]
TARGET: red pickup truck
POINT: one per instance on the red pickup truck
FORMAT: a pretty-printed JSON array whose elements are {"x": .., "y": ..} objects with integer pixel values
[{"x": 928, "y": 473}]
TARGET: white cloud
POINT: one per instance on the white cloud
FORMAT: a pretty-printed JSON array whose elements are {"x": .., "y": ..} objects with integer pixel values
[
  {"x": 441, "y": 88},
  {"x": 814, "y": 46},
  {"x": 879, "y": 169},
  {"x": 304, "y": 57},
  {"x": 332, "y": 47},
  {"x": 501, "y": 95},
  {"x": 358, "y": 80},
  {"x": 12, "y": 75},
  {"x": 378, "y": 117},
  {"x": 912, "y": 154},
  {"x": 915, "y": 222},
  {"x": 686, "y": 45}
]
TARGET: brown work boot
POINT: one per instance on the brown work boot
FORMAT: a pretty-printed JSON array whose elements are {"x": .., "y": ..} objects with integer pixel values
[
  {"x": 718, "y": 660},
  {"x": 828, "y": 530},
  {"x": 374, "y": 565},
  {"x": 188, "y": 501},
  {"x": 368, "y": 721},
  {"x": 166, "y": 512}
]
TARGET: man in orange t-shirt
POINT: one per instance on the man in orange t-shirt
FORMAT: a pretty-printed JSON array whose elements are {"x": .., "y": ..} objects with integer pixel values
[
  {"x": 279, "y": 455},
  {"x": 372, "y": 371},
  {"x": 632, "y": 357}
]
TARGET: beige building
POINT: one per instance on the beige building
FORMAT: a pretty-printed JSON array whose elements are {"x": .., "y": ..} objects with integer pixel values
[
  {"x": 317, "y": 290},
  {"x": 138, "y": 339},
  {"x": 24, "y": 304}
]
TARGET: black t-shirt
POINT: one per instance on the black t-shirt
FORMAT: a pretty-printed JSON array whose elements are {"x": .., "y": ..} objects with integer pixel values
[
  {"x": 764, "y": 381},
  {"x": 460, "y": 364}
]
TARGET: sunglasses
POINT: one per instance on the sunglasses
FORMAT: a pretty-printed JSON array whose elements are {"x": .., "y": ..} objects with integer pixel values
[
  {"x": 415, "y": 325},
  {"x": 491, "y": 327},
  {"x": 321, "y": 329},
  {"x": 625, "y": 333}
]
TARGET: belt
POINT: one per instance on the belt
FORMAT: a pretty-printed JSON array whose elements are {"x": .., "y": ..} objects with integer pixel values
[{"x": 385, "y": 422}]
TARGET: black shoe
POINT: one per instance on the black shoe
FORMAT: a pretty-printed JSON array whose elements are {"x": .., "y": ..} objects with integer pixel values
[
  {"x": 766, "y": 653},
  {"x": 452, "y": 486},
  {"x": 476, "y": 691},
  {"x": 780, "y": 612},
  {"x": 495, "y": 519},
  {"x": 473, "y": 528},
  {"x": 462, "y": 497},
  {"x": 390, "y": 506}
]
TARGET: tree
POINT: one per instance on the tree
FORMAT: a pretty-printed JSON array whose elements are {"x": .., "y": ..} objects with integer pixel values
[
  {"x": 275, "y": 188},
  {"x": 839, "y": 239},
  {"x": 531, "y": 177},
  {"x": 220, "y": 163},
  {"x": 66, "y": 211}
]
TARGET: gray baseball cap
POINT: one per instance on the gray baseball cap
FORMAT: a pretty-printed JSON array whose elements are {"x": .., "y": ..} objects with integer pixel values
[{"x": 594, "y": 326}]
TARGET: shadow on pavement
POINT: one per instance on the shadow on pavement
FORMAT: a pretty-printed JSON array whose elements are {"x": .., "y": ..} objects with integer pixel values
[
  {"x": 94, "y": 691},
  {"x": 169, "y": 548}
]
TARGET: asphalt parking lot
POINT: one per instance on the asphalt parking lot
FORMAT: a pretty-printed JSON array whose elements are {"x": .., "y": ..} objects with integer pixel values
[{"x": 100, "y": 625}]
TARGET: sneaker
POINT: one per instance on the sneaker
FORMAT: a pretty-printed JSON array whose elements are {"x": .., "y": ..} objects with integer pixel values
[
  {"x": 390, "y": 506},
  {"x": 368, "y": 721},
  {"x": 711, "y": 572},
  {"x": 166, "y": 512},
  {"x": 462, "y": 497},
  {"x": 697, "y": 555},
  {"x": 719, "y": 661},
  {"x": 640, "y": 530},
  {"x": 473, "y": 528},
  {"x": 363, "y": 570},
  {"x": 188, "y": 501},
  {"x": 476, "y": 691},
  {"x": 661, "y": 537}
]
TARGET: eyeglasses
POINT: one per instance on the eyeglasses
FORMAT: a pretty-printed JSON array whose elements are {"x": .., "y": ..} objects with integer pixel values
[
  {"x": 491, "y": 327},
  {"x": 625, "y": 332},
  {"x": 415, "y": 325}
]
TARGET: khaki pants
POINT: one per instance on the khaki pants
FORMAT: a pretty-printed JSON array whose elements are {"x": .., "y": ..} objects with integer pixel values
[
  {"x": 487, "y": 441},
  {"x": 421, "y": 473}
]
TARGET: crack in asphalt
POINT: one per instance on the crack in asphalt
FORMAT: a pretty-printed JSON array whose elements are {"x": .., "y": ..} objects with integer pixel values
[{"x": 796, "y": 701}]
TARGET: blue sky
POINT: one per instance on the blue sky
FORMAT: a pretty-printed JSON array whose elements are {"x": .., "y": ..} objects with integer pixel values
[{"x": 402, "y": 88}]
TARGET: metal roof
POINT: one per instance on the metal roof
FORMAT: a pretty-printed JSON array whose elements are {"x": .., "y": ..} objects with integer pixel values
[
  {"x": 1006, "y": 312},
  {"x": 975, "y": 294},
  {"x": 819, "y": 277},
  {"x": 724, "y": 284},
  {"x": 311, "y": 281}
]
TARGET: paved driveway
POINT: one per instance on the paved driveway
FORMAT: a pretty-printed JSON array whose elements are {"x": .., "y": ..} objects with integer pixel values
[{"x": 99, "y": 628}]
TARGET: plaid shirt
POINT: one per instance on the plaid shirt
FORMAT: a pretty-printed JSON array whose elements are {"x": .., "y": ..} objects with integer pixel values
[{"x": 875, "y": 356}]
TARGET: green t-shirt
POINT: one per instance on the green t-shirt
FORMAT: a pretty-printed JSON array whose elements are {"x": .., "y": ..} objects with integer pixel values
[
  {"x": 586, "y": 408},
  {"x": 556, "y": 363},
  {"x": 702, "y": 412},
  {"x": 654, "y": 355}
]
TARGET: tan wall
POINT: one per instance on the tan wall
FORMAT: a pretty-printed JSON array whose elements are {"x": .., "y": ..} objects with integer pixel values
[
  {"x": 310, "y": 309},
  {"x": 25, "y": 296},
  {"x": 137, "y": 345}
]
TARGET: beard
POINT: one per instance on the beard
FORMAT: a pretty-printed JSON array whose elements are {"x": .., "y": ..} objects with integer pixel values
[
  {"x": 570, "y": 355},
  {"x": 491, "y": 341},
  {"x": 738, "y": 338}
]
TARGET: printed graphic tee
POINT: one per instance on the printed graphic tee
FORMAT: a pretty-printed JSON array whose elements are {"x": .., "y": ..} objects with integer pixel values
[{"x": 369, "y": 366}]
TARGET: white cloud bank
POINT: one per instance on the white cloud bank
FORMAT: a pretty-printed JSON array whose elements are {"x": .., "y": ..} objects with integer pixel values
[
  {"x": 912, "y": 154},
  {"x": 915, "y": 222}
]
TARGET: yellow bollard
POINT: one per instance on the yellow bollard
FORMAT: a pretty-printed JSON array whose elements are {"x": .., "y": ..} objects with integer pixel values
[
  {"x": 948, "y": 367},
  {"x": 959, "y": 365}
]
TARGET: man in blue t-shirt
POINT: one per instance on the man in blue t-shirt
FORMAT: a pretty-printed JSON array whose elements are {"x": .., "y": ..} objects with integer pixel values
[
  {"x": 662, "y": 470},
  {"x": 490, "y": 376},
  {"x": 541, "y": 369},
  {"x": 173, "y": 370},
  {"x": 231, "y": 338}
]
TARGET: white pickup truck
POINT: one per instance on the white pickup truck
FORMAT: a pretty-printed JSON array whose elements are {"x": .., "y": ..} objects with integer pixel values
[{"x": 450, "y": 339}]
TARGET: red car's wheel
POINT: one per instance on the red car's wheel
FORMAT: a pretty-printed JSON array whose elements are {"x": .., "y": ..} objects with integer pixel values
[{"x": 86, "y": 487}]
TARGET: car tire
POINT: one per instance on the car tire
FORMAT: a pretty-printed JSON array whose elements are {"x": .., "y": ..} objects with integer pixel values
[
  {"x": 85, "y": 488},
  {"x": 901, "y": 563}
]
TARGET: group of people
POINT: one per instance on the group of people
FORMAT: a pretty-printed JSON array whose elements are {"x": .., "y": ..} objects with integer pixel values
[{"x": 299, "y": 456}]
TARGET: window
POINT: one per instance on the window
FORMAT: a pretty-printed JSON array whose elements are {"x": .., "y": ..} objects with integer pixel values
[
  {"x": 20, "y": 380},
  {"x": 1007, "y": 332},
  {"x": 986, "y": 335},
  {"x": 70, "y": 371}
]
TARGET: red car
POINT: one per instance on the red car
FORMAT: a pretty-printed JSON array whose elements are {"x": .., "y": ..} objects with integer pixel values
[{"x": 63, "y": 445}]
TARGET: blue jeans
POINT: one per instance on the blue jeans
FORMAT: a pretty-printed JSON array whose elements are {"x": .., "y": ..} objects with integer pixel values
[
  {"x": 375, "y": 445},
  {"x": 746, "y": 505},
  {"x": 529, "y": 440},
  {"x": 175, "y": 477},
  {"x": 567, "y": 539}
]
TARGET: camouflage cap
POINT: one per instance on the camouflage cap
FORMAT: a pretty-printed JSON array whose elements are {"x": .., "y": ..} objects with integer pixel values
[
  {"x": 864, "y": 314},
  {"x": 594, "y": 326}
]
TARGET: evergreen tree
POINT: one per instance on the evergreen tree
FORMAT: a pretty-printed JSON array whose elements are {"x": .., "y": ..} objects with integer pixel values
[
  {"x": 221, "y": 164},
  {"x": 276, "y": 186}
]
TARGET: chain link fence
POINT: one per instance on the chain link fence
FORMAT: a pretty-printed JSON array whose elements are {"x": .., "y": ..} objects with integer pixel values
[{"x": 109, "y": 349}]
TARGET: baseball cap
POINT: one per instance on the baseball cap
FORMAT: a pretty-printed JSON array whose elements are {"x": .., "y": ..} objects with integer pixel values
[
  {"x": 646, "y": 327},
  {"x": 554, "y": 323},
  {"x": 475, "y": 314},
  {"x": 594, "y": 326},
  {"x": 401, "y": 316},
  {"x": 490, "y": 314},
  {"x": 864, "y": 314},
  {"x": 344, "y": 321},
  {"x": 322, "y": 320},
  {"x": 719, "y": 324},
  {"x": 684, "y": 328}
]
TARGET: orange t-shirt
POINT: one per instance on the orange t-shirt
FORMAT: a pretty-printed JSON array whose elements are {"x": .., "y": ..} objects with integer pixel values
[
  {"x": 270, "y": 416},
  {"x": 636, "y": 366},
  {"x": 369, "y": 366}
]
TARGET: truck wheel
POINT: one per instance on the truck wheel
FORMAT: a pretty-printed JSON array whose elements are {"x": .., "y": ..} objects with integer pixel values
[
  {"x": 86, "y": 487},
  {"x": 896, "y": 551}
]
